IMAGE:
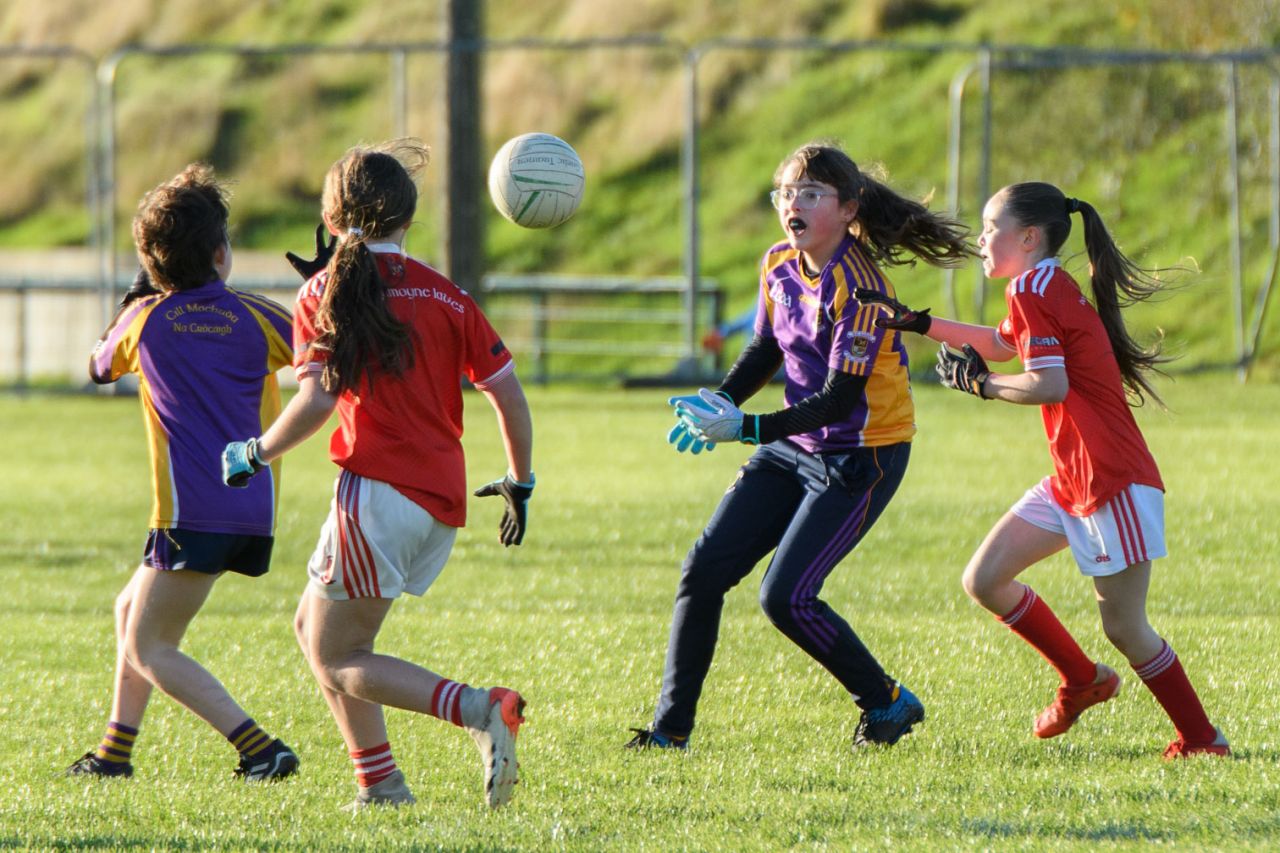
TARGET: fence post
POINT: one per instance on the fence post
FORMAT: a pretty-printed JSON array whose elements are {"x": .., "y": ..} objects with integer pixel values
[
  {"x": 464, "y": 222},
  {"x": 24, "y": 367},
  {"x": 540, "y": 337},
  {"x": 691, "y": 260},
  {"x": 984, "y": 178},
  {"x": 1233, "y": 190},
  {"x": 399, "y": 95},
  {"x": 955, "y": 151}
]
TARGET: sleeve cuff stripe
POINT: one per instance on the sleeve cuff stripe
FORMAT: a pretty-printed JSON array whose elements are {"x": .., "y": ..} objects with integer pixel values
[{"x": 509, "y": 367}]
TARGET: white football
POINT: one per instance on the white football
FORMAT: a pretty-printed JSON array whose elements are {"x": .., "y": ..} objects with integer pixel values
[{"x": 536, "y": 180}]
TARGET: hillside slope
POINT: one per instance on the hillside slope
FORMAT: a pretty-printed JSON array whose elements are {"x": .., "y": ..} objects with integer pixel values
[{"x": 1144, "y": 142}]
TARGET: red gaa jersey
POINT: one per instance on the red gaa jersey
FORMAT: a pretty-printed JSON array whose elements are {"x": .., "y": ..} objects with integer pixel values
[
  {"x": 1096, "y": 446},
  {"x": 407, "y": 430}
]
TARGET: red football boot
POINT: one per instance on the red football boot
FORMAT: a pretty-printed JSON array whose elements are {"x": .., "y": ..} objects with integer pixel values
[
  {"x": 1182, "y": 749},
  {"x": 1071, "y": 702}
]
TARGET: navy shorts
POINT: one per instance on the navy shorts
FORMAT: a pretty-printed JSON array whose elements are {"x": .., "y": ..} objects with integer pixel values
[{"x": 208, "y": 553}]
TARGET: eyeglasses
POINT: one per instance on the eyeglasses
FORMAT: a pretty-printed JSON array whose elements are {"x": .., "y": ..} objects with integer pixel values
[{"x": 804, "y": 199}]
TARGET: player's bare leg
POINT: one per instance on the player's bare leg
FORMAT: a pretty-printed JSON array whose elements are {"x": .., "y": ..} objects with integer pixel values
[
  {"x": 1122, "y": 600},
  {"x": 364, "y": 731},
  {"x": 163, "y": 608},
  {"x": 1010, "y": 548},
  {"x": 129, "y": 696},
  {"x": 131, "y": 691},
  {"x": 340, "y": 635},
  {"x": 991, "y": 579}
]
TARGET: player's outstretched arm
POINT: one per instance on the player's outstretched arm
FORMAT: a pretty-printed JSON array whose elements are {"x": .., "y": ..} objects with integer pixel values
[
  {"x": 516, "y": 425},
  {"x": 306, "y": 413},
  {"x": 983, "y": 339}
]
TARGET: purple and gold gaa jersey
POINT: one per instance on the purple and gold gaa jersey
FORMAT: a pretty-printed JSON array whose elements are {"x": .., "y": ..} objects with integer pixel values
[
  {"x": 206, "y": 360},
  {"x": 819, "y": 327}
]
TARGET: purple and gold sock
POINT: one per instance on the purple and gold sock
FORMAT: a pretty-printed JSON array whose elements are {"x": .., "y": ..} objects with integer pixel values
[
  {"x": 117, "y": 744},
  {"x": 248, "y": 738}
]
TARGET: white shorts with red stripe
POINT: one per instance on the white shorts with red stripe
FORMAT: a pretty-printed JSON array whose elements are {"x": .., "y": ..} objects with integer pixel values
[
  {"x": 376, "y": 543},
  {"x": 1128, "y": 529}
]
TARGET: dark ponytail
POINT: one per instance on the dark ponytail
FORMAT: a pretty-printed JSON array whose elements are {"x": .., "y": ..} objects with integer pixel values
[
  {"x": 891, "y": 228},
  {"x": 1117, "y": 282},
  {"x": 368, "y": 194}
]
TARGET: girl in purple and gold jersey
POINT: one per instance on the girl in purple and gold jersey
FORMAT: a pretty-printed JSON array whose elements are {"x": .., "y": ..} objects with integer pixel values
[
  {"x": 206, "y": 357},
  {"x": 829, "y": 462}
]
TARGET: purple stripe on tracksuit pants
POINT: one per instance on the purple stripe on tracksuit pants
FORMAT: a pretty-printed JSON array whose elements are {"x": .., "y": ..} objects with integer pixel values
[{"x": 814, "y": 509}]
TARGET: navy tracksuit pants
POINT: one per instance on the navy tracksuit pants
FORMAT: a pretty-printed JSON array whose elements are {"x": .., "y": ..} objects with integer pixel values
[{"x": 814, "y": 509}]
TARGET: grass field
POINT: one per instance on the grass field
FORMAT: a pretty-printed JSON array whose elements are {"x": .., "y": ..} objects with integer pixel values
[{"x": 577, "y": 620}]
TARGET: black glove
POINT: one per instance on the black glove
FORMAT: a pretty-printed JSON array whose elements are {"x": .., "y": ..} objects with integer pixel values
[
  {"x": 141, "y": 287},
  {"x": 511, "y": 529},
  {"x": 324, "y": 251},
  {"x": 966, "y": 371},
  {"x": 903, "y": 317}
]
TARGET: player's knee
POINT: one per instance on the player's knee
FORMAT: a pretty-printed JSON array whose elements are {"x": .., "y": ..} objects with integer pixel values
[
  {"x": 977, "y": 584},
  {"x": 699, "y": 580},
  {"x": 771, "y": 604},
  {"x": 1127, "y": 634},
  {"x": 140, "y": 654},
  {"x": 300, "y": 630},
  {"x": 340, "y": 672},
  {"x": 124, "y": 602},
  {"x": 777, "y": 604},
  {"x": 969, "y": 581},
  {"x": 330, "y": 674}
]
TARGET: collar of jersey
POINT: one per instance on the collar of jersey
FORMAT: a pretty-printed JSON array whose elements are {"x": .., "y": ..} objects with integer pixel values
[
  {"x": 1048, "y": 262},
  {"x": 384, "y": 248},
  {"x": 816, "y": 281}
]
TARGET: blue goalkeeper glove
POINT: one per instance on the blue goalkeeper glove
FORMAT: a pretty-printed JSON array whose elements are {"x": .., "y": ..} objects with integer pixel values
[
  {"x": 515, "y": 517},
  {"x": 716, "y": 418},
  {"x": 240, "y": 461},
  {"x": 680, "y": 435},
  {"x": 685, "y": 440}
]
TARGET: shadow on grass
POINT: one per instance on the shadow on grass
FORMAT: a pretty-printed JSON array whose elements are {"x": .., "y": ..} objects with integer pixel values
[
  {"x": 1112, "y": 831},
  {"x": 117, "y": 842}
]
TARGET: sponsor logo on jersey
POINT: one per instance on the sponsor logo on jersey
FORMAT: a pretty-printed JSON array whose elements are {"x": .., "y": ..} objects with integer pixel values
[
  {"x": 779, "y": 295},
  {"x": 427, "y": 293},
  {"x": 1044, "y": 342}
]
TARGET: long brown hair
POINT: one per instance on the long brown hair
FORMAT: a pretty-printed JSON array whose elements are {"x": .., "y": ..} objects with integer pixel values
[
  {"x": 892, "y": 229},
  {"x": 1117, "y": 281},
  {"x": 179, "y": 227},
  {"x": 368, "y": 194}
]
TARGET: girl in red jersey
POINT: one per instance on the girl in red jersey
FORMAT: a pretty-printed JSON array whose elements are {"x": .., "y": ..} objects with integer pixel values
[
  {"x": 386, "y": 340},
  {"x": 1105, "y": 499}
]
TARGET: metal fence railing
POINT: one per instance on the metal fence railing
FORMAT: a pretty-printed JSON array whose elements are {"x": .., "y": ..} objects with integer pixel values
[{"x": 966, "y": 142}]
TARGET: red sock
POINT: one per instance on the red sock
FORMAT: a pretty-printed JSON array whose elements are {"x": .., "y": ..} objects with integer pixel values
[
  {"x": 1167, "y": 681},
  {"x": 1033, "y": 621},
  {"x": 446, "y": 701},
  {"x": 373, "y": 764}
]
